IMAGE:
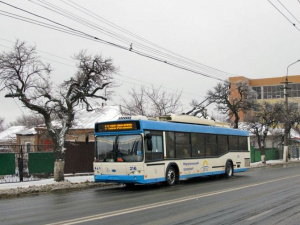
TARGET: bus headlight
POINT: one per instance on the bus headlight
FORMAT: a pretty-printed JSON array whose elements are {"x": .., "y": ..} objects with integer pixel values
[{"x": 136, "y": 172}]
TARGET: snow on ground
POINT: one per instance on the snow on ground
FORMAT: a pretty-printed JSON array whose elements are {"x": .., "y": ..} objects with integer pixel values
[
  {"x": 75, "y": 179},
  {"x": 9, "y": 190},
  {"x": 272, "y": 162}
]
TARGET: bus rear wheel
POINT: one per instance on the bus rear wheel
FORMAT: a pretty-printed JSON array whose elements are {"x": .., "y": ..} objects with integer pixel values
[
  {"x": 228, "y": 169},
  {"x": 171, "y": 176}
]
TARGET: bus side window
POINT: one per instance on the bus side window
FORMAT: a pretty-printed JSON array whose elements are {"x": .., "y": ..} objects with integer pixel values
[
  {"x": 211, "y": 145},
  {"x": 198, "y": 145},
  {"x": 243, "y": 143},
  {"x": 170, "y": 144},
  {"x": 233, "y": 143},
  {"x": 157, "y": 150},
  {"x": 183, "y": 146}
]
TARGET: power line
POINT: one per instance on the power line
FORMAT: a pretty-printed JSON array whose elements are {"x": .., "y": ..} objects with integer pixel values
[
  {"x": 284, "y": 15},
  {"x": 64, "y": 26},
  {"x": 88, "y": 36},
  {"x": 148, "y": 83},
  {"x": 85, "y": 22},
  {"x": 140, "y": 38},
  {"x": 289, "y": 12}
]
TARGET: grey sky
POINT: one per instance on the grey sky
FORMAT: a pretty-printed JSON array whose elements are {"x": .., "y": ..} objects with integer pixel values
[{"x": 241, "y": 37}]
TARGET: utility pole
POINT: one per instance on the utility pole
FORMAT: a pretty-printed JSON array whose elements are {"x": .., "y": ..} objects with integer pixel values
[
  {"x": 286, "y": 112},
  {"x": 286, "y": 131}
]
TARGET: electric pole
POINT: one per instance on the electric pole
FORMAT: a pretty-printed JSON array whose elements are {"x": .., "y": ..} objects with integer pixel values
[{"x": 286, "y": 109}]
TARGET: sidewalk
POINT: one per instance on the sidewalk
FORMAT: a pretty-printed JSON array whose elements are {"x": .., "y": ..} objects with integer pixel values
[
  {"x": 274, "y": 163},
  {"x": 26, "y": 184}
]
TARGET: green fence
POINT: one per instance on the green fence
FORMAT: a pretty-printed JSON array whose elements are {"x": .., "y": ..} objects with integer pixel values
[
  {"x": 7, "y": 163},
  {"x": 271, "y": 154},
  {"x": 41, "y": 162}
]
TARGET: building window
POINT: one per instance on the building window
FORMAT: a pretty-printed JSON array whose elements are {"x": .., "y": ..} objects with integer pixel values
[
  {"x": 258, "y": 91},
  {"x": 294, "y": 90},
  {"x": 271, "y": 92}
]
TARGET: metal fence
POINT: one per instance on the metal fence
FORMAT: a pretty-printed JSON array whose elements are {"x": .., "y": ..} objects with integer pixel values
[{"x": 21, "y": 162}]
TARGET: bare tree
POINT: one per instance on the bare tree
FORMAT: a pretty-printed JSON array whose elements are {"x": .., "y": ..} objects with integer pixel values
[
  {"x": 266, "y": 116},
  {"x": 290, "y": 120},
  {"x": 27, "y": 78},
  {"x": 150, "y": 102},
  {"x": 242, "y": 99},
  {"x": 28, "y": 120}
]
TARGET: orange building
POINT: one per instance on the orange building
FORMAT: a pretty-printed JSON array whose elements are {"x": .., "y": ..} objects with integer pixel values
[{"x": 270, "y": 89}]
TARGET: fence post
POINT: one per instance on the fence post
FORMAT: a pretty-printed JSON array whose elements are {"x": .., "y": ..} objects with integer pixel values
[{"x": 20, "y": 165}]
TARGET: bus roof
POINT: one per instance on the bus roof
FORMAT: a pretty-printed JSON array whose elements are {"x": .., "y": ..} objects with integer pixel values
[{"x": 180, "y": 127}]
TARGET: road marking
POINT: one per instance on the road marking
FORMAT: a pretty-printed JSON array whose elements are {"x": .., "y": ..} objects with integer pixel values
[
  {"x": 164, "y": 203},
  {"x": 259, "y": 215}
]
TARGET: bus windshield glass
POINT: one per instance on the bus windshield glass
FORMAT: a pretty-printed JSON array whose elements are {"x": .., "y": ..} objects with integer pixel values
[{"x": 122, "y": 148}]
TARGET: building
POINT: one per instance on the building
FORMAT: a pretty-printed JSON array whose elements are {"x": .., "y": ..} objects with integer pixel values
[
  {"x": 8, "y": 138},
  {"x": 270, "y": 89},
  {"x": 37, "y": 138}
]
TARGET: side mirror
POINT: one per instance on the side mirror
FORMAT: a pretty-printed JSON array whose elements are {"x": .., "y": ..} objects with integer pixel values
[
  {"x": 87, "y": 139},
  {"x": 149, "y": 142}
]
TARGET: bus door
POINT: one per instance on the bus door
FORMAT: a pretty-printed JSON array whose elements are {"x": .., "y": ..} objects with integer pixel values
[{"x": 154, "y": 164}]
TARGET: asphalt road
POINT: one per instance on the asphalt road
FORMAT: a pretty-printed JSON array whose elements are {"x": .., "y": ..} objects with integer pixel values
[{"x": 259, "y": 196}]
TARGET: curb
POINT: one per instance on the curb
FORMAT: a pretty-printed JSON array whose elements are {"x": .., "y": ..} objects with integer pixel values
[{"x": 276, "y": 164}]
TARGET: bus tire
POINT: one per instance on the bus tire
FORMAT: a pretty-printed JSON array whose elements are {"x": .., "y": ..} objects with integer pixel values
[
  {"x": 229, "y": 169},
  {"x": 129, "y": 185},
  {"x": 171, "y": 176}
]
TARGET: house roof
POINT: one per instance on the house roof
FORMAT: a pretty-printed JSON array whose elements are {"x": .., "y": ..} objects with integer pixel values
[
  {"x": 27, "y": 131},
  {"x": 10, "y": 133},
  {"x": 87, "y": 120}
]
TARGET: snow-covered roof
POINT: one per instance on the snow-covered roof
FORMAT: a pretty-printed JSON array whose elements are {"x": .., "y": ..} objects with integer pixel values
[
  {"x": 87, "y": 120},
  {"x": 294, "y": 134},
  {"x": 27, "y": 131},
  {"x": 10, "y": 133}
]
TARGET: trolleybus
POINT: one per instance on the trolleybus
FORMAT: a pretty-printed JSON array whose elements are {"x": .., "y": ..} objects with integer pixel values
[{"x": 134, "y": 150}]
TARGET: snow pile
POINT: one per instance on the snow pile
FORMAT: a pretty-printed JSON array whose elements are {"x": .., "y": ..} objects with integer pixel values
[
  {"x": 274, "y": 162},
  {"x": 47, "y": 186}
]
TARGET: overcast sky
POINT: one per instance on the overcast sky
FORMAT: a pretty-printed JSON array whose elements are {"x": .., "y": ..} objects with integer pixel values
[{"x": 239, "y": 37}]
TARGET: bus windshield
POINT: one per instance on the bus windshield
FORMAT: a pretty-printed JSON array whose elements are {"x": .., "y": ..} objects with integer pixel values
[{"x": 122, "y": 148}]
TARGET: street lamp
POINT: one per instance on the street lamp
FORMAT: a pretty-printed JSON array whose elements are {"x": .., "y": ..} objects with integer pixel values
[{"x": 286, "y": 106}]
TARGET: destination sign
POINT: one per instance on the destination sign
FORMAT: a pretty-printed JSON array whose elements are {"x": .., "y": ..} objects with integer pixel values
[{"x": 117, "y": 126}]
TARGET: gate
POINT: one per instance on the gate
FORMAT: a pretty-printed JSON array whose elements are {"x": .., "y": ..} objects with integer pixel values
[{"x": 79, "y": 157}]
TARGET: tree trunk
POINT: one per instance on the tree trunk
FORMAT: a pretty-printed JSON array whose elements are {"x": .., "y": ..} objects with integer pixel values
[
  {"x": 59, "y": 168},
  {"x": 236, "y": 120},
  {"x": 285, "y": 153},
  {"x": 263, "y": 154}
]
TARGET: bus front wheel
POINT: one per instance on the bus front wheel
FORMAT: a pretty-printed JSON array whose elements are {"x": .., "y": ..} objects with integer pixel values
[
  {"x": 228, "y": 169},
  {"x": 171, "y": 176}
]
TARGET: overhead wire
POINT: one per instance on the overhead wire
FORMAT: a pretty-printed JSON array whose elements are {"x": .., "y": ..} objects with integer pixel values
[
  {"x": 288, "y": 11},
  {"x": 45, "y": 25},
  {"x": 138, "y": 37},
  {"x": 85, "y": 22},
  {"x": 117, "y": 45},
  {"x": 148, "y": 83},
  {"x": 294, "y": 24}
]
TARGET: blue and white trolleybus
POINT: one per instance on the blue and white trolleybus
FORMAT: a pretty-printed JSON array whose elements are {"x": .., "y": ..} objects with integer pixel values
[{"x": 132, "y": 150}]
